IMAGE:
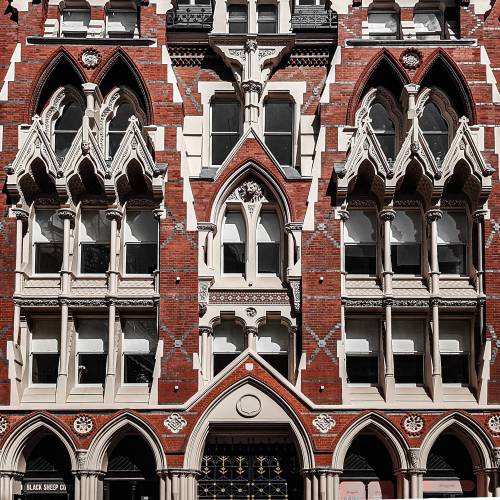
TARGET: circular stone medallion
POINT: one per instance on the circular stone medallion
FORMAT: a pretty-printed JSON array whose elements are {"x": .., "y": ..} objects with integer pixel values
[{"x": 248, "y": 406}]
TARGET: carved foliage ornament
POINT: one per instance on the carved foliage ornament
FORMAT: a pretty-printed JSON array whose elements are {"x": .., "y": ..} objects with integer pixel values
[
  {"x": 324, "y": 423},
  {"x": 413, "y": 424},
  {"x": 411, "y": 58},
  {"x": 83, "y": 425},
  {"x": 493, "y": 423},
  {"x": 250, "y": 191},
  {"x": 90, "y": 58},
  {"x": 4, "y": 425},
  {"x": 175, "y": 423}
]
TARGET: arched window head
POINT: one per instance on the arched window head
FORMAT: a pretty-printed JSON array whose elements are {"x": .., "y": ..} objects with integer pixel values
[
  {"x": 234, "y": 243},
  {"x": 267, "y": 18},
  {"x": 118, "y": 126},
  {"x": 435, "y": 130},
  {"x": 268, "y": 244},
  {"x": 67, "y": 127},
  {"x": 384, "y": 129}
]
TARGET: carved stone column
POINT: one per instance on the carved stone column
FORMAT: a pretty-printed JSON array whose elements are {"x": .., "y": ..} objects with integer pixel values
[
  {"x": 387, "y": 216},
  {"x": 181, "y": 484},
  {"x": 110, "y": 383},
  {"x": 206, "y": 333},
  {"x": 21, "y": 223},
  {"x": 321, "y": 484},
  {"x": 251, "y": 333},
  {"x": 433, "y": 216},
  {"x": 8, "y": 487},
  {"x": 68, "y": 216},
  {"x": 62, "y": 378},
  {"x": 115, "y": 216}
]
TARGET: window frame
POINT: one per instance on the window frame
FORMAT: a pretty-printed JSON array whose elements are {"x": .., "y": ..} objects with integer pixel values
[
  {"x": 34, "y": 320},
  {"x": 244, "y": 275},
  {"x": 80, "y": 226},
  {"x": 425, "y": 35},
  {"x": 74, "y": 34},
  {"x": 213, "y": 353},
  {"x": 379, "y": 35},
  {"x": 275, "y": 99},
  {"x": 218, "y": 98},
  {"x": 289, "y": 351},
  {"x": 125, "y": 243},
  {"x": 228, "y": 18},
  {"x": 34, "y": 243},
  {"x": 124, "y": 353},
  {"x": 468, "y": 245},
  {"x": 266, "y": 20},
  {"x": 270, "y": 209},
  {"x": 136, "y": 33}
]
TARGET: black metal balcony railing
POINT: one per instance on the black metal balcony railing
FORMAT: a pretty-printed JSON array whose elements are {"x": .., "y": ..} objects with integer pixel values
[
  {"x": 190, "y": 17},
  {"x": 314, "y": 17}
]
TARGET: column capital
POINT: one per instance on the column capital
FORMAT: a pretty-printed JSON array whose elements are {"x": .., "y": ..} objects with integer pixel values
[
  {"x": 387, "y": 214},
  {"x": 114, "y": 214},
  {"x": 480, "y": 215},
  {"x": 320, "y": 470},
  {"x": 293, "y": 226},
  {"x": 251, "y": 329},
  {"x": 343, "y": 214},
  {"x": 252, "y": 86},
  {"x": 66, "y": 213},
  {"x": 206, "y": 329},
  {"x": 207, "y": 226},
  {"x": 433, "y": 214},
  {"x": 158, "y": 213},
  {"x": 180, "y": 472},
  {"x": 20, "y": 213}
]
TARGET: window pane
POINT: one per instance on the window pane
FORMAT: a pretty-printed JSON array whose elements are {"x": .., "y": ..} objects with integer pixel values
[
  {"x": 405, "y": 259},
  {"x": 452, "y": 228},
  {"x": 408, "y": 369},
  {"x": 279, "y": 362},
  {"x": 380, "y": 119},
  {"x": 222, "y": 360},
  {"x": 228, "y": 337},
  {"x": 44, "y": 368},
  {"x": 438, "y": 144},
  {"x": 95, "y": 258},
  {"x": 268, "y": 229},
  {"x": 361, "y": 259},
  {"x": 222, "y": 145},
  {"x": 75, "y": 21},
  {"x": 269, "y": 258},
  {"x": 48, "y": 226},
  {"x": 62, "y": 142},
  {"x": 383, "y": 25},
  {"x": 234, "y": 228},
  {"x": 273, "y": 338},
  {"x": 362, "y": 336},
  {"x": 362, "y": 369},
  {"x": 226, "y": 116},
  {"x": 95, "y": 227},
  {"x": 360, "y": 227},
  {"x": 431, "y": 120},
  {"x": 406, "y": 227},
  {"x": 428, "y": 25},
  {"x": 281, "y": 147},
  {"x": 279, "y": 116},
  {"x": 267, "y": 18},
  {"x": 452, "y": 259},
  {"x": 48, "y": 257},
  {"x": 122, "y": 23},
  {"x": 141, "y": 258},
  {"x": 141, "y": 227},
  {"x": 71, "y": 119},
  {"x": 455, "y": 368},
  {"x": 120, "y": 122},
  {"x": 140, "y": 335},
  {"x": 388, "y": 144},
  {"x": 238, "y": 19},
  {"x": 138, "y": 368},
  {"x": 91, "y": 368},
  {"x": 234, "y": 258},
  {"x": 114, "y": 140}
]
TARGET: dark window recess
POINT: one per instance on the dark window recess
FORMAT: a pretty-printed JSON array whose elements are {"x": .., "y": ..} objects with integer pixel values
[
  {"x": 361, "y": 259},
  {"x": 384, "y": 130},
  {"x": 362, "y": 369},
  {"x": 269, "y": 258},
  {"x": 234, "y": 258},
  {"x": 452, "y": 259},
  {"x": 118, "y": 126},
  {"x": 222, "y": 360},
  {"x": 225, "y": 129},
  {"x": 95, "y": 258},
  {"x": 66, "y": 128},
  {"x": 408, "y": 369},
  {"x": 267, "y": 19},
  {"x": 279, "y": 362},
  {"x": 455, "y": 368},
  {"x": 435, "y": 130},
  {"x": 91, "y": 368},
  {"x": 141, "y": 258},
  {"x": 278, "y": 130},
  {"x": 406, "y": 258},
  {"x": 48, "y": 257},
  {"x": 138, "y": 368},
  {"x": 44, "y": 368},
  {"x": 238, "y": 18}
]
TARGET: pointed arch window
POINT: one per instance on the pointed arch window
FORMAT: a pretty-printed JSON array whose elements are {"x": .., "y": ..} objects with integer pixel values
[
  {"x": 67, "y": 127},
  {"x": 228, "y": 344},
  {"x": 48, "y": 236},
  {"x": 118, "y": 126},
  {"x": 435, "y": 130},
  {"x": 384, "y": 130},
  {"x": 234, "y": 244},
  {"x": 268, "y": 244}
]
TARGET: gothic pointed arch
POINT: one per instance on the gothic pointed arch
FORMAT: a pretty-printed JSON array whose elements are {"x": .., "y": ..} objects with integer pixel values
[
  {"x": 442, "y": 72},
  {"x": 124, "y": 422},
  {"x": 120, "y": 70},
  {"x": 62, "y": 70},
  {"x": 383, "y": 429},
  {"x": 384, "y": 70}
]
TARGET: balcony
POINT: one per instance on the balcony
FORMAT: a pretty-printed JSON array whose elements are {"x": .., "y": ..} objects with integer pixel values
[
  {"x": 190, "y": 18},
  {"x": 314, "y": 18}
]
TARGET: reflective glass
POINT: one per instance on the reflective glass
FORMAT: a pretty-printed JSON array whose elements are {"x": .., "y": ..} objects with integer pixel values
[
  {"x": 234, "y": 258},
  {"x": 44, "y": 368},
  {"x": 269, "y": 258},
  {"x": 408, "y": 368},
  {"x": 362, "y": 369},
  {"x": 281, "y": 147}
]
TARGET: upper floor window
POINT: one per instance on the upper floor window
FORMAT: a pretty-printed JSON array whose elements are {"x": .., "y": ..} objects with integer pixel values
[
  {"x": 193, "y": 2},
  {"x": 272, "y": 345},
  {"x": 383, "y": 25},
  {"x": 267, "y": 18},
  {"x": 238, "y": 18},
  {"x": 384, "y": 130},
  {"x": 141, "y": 237},
  {"x": 452, "y": 243},
  {"x": 311, "y": 2},
  {"x": 362, "y": 348},
  {"x": 435, "y": 130},
  {"x": 228, "y": 344},
  {"x": 118, "y": 126},
  {"x": 67, "y": 127},
  {"x": 406, "y": 237},
  {"x": 140, "y": 338},
  {"x": 48, "y": 238},
  {"x": 44, "y": 351},
  {"x": 428, "y": 24},
  {"x": 91, "y": 350},
  {"x": 278, "y": 133},
  {"x": 360, "y": 238},
  {"x": 268, "y": 244},
  {"x": 408, "y": 350},
  {"x": 95, "y": 235},
  {"x": 75, "y": 21},
  {"x": 454, "y": 346},
  {"x": 122, "y": 22},
  {"x": 225, "y": 129},
  {"x": 234, "y": 244}
]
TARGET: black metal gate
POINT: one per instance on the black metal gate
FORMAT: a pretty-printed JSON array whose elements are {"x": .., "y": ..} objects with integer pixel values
[{"x": 250, "y": 472}]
